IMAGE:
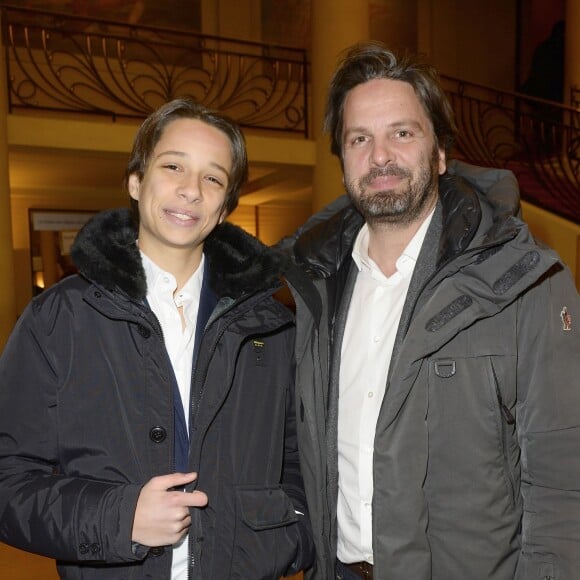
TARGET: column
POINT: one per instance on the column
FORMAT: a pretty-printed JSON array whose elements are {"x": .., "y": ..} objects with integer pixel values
[
  {"x": 7, "y": 290},
  {"x": 335, "y": 25}
]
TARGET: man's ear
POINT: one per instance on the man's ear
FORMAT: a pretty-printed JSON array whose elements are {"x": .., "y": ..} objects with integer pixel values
[
  {"x": 442, "y": 161},
  {"x": 134, "y": 186}
]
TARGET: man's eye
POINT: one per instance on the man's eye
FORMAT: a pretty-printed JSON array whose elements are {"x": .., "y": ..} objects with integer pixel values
[
  {"x": 403, "y": 134},
  {"x": 359, "y": 139},
  {"x": 171, "y": 166}
]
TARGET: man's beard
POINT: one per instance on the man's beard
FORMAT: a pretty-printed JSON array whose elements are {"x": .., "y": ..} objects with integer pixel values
[{"x": 391, "y": 206}]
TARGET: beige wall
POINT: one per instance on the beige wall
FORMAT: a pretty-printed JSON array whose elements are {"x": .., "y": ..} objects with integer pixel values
[
  {"x": 394, "y": 22},
  {"x": 560, "y": 234},
  {"x": 472, "y": 40}
]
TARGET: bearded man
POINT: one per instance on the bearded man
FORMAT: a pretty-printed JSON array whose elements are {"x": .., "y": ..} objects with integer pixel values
[{"x": 437, "y": 378}]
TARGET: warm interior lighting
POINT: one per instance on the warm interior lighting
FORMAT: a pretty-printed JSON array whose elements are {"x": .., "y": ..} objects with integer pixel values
[{"x": 39, "y": 279}]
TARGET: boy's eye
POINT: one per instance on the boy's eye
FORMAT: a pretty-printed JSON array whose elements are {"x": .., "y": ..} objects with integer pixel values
[{"x": 214, "y": 179}]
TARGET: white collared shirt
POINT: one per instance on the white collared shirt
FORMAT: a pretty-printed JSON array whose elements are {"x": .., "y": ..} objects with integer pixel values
[
  {"x": 372, "y": 322},
  {"x": 179, "y": 342}
]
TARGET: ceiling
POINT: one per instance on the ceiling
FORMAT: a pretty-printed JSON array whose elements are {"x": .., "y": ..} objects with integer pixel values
[{"x": 42, "y": 170}]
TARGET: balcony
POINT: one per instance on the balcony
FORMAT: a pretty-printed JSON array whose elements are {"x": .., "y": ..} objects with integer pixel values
[
  {"x": 538, "y": 140},
  {"x": 70, "y": 66}
]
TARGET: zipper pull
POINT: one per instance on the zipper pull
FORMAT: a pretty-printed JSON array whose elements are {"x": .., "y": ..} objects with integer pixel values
[
  {"x": 507, "y": 415},
  {"x": 509, "y": 418}
]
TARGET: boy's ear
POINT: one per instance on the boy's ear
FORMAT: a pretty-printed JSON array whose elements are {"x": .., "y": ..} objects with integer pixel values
[
  {"x": 134, "y": 186},
  {"x": 223, "y": 215}
]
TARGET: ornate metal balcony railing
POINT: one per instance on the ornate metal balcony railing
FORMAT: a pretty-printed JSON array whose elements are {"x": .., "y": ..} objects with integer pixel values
[
  {"x": 538, "y": 140},
  {"x": 75, "y": 65}
]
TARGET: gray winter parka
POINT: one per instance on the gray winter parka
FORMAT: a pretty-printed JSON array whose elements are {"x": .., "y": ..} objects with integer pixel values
[
  {"x": 86, "y": 417},
  {"x": 477, "y": 447}
]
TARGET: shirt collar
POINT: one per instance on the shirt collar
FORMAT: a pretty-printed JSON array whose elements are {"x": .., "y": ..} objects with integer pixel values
[
  {"x": 360, "y": 250},
  {"x": 161, "y": 282}
]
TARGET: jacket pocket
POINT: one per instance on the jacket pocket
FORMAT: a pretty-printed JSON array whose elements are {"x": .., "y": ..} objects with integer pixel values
[
  {"x": 266, "y": 537},
  {"x": 535, "y": 566}
]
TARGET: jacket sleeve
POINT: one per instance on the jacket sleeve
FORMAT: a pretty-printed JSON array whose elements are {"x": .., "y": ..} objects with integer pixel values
[
  {"x": 293, "y": 485},
  {"x": 548, "y": 427},
  {"x": 42, "y": 509}
]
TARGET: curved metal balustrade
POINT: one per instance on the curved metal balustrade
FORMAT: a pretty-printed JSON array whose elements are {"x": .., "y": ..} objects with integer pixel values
[
  {"x": 538, "y": 140},
  {"x": 70, "y": 64}
]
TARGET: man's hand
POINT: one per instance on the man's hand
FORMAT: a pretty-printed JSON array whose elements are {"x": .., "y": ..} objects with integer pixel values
[{"x": 162, "y": 515}]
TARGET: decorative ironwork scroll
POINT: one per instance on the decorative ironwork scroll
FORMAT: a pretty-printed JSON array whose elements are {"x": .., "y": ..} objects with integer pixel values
[
  {"x": 538, "y": 140},
  {"x": 70, "y": 64}
]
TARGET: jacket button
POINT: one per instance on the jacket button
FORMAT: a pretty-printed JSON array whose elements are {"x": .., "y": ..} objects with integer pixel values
[
  {"x": 158, "y": 551},
  {"x": 95, "y": 548},
  {"x": 83, "y": 548},
  {"x": 157, "y": 434},
  {"x": 143, "y": 331}
]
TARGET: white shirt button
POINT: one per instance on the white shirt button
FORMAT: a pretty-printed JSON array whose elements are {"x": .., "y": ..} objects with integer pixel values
[{"x": 370, "y": 394}]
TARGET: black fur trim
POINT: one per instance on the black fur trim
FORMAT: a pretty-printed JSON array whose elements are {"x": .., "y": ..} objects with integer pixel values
[
  {"x": 239, "y": 263},
  {"x": 106, "y": 253}
]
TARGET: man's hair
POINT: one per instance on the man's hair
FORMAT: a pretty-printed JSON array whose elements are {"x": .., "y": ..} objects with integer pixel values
[
  {"x": 152, "y": 129},
  {"x": 371, "y": 60}
]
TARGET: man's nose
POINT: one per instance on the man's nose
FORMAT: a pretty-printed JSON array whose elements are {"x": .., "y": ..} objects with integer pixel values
[{"x": 381, "y": 154}]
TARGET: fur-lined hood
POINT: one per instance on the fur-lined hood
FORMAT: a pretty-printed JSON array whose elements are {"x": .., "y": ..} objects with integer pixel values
[{"x": 105, "y": 252}]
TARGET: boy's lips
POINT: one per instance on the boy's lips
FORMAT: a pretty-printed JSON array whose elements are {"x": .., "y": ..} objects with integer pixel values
[{"x": 180, "y": 216}]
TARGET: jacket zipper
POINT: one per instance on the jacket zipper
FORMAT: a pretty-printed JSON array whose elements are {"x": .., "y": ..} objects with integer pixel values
[
  {"x": 506, "y": 418},
  {"x": 195, "y": 402},
  {"x": 507, "y": 414}
]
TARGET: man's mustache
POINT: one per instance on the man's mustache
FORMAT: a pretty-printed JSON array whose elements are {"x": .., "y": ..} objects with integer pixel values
[{"x": 388, "y": 171}]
